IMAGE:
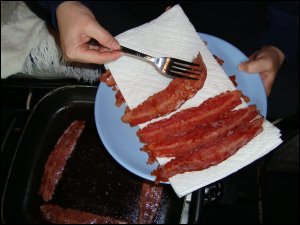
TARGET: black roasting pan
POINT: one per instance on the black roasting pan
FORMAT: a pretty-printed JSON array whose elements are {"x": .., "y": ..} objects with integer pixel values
[{"x": 92, "y": 181}]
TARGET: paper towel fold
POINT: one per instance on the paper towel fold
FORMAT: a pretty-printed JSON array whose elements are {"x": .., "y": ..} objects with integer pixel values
[{"x": 173, "y": 35}]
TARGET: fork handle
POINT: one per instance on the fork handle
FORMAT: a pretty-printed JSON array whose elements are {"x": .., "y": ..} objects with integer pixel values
[
  {"x": 135, "y": 53},
  {"x": 125, "y": 50}
]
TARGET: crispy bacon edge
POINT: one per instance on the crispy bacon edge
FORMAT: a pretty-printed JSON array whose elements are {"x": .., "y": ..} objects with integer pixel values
[
  {"x": 168, "y": 100},
  {"x": 58, "y": 157},
  {"x": 219, "y": 60},
  {"x": 233, "y": 80},
  {"x": 108, "y": 79}
]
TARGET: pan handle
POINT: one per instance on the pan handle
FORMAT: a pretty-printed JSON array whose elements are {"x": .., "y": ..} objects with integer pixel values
[{"x": 196, "y": 206}]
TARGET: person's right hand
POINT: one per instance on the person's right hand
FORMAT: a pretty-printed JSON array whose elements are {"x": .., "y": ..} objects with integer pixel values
[{"x": 77, "y": 25}]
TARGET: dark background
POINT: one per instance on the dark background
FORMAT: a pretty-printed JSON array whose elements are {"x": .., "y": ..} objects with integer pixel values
[{"x": 266, "y": 191}]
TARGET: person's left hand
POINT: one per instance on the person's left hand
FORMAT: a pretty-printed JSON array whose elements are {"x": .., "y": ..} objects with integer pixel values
[{"x": 266, "y": 62}]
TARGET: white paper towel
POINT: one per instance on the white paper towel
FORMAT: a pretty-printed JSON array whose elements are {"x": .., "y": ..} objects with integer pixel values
[{"x": 173, "y": 35}]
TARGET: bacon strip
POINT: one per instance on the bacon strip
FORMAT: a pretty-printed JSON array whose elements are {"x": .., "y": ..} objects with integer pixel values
[
  {"x": 58, "y": 157},
  {"x": 233, "y": 80},
  {"x": 57, "y": 215},
  {"x": 219, "y": 60},
  {"x": 185, "y": 120},
  {"x": 107, "y": 78},
  {"x": 119, "y": 98},
  {"x": 149, "y": 202},
  {"x": 168, "y": 100},
  {"x": 205, "y": 157},
  {"x": 204, "y": 135},
  {"x": 246, "y": 98}
]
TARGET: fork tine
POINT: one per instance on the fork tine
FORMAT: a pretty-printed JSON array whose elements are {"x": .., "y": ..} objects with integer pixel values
[
  {"x": 178, "y": 73},
  {"x": 186, "y": 69},
  {"x": 181, "y": 76},
  {"x": 184, "y": 63}
]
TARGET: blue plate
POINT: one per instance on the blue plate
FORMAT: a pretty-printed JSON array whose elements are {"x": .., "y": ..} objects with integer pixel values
[
  {"x": 121, "y": 140},
  {"x": 250, "y": 84}
]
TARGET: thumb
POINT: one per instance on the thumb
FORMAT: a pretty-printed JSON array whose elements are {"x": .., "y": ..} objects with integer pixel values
[
  {"x": 105, "y": 38},
  {"x": 253, "y": 66}
]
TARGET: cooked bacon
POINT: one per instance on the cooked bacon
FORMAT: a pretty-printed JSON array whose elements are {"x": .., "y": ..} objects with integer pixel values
[
  {"x": 119, "y": 98},
  {"x": 233, "y": 80},
  {"x": 219, "y": 60},
  {"x": 115, "y": 88},
  {"x": 207, "y": 156},
  {"x": 107, "y": 78},
  {"x": 202, "y": 135},
  {"x": 246, "y": 99},
  {"x": 58, "y": 157},
  {"x": 58, "y": 215},
  {"x": 187, "y": 119},
  {"x": 150, "y": 198},
  {"x": 168, "y": 100}
]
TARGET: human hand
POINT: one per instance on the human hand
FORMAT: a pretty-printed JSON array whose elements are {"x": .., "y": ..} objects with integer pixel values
[
  {"x": 77, "y": 25},
  {"x": 266, "y": 62}
]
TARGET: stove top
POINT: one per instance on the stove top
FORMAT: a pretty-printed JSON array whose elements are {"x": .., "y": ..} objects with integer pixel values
[{"x": 19, "y": 95}]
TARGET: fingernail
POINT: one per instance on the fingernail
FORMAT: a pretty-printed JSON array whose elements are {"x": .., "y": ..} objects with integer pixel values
[{"x": 241, "y": 66}]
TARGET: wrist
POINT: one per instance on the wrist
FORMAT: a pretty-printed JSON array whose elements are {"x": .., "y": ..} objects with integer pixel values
[
  {"x": 72, "y": 14},
  {"x": 72, "y": 6},
  {"x": 66, "y": 6}
]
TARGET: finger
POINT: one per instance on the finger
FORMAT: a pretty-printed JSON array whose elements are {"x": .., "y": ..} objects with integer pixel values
[
  {"x": 94, "y": 56},
  {"x": 104, "y": 37},
  {"x": 255, "y": 66},
  {"x": 168, "y": 7},
  {"x": 253, "y": 56},
  {"x": 94, "y": 47},
  {"x": 98, "y": 48},
  {"x": 101, "y": 49}
]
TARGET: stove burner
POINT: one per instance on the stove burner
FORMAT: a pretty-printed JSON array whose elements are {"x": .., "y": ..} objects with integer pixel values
[{"x": 213, "y": 192}]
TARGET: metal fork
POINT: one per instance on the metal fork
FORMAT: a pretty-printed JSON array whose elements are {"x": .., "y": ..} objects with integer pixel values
[
  {"x": 165, "y": 65},
  {"x": 169, "y": 66}
]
